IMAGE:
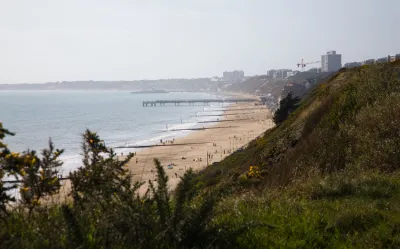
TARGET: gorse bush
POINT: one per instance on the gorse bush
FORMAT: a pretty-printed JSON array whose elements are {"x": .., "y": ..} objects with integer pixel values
[
  {"x": 38, "y": 176},
  {"x": 105, "y": 209}
]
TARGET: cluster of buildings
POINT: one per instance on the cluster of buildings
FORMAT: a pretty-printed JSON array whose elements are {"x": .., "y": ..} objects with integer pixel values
[
  {"x": 280, "y": 73},
  {"x": 389, "y": 58},
  {"x": 233, "y": 76},
  {"x": 330, "y": 62}
]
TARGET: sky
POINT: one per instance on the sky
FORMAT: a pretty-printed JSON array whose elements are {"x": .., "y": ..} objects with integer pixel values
[{"x": 67, "y": 40}]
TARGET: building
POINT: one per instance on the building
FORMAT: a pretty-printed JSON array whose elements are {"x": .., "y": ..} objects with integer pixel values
[
  {"x": 395, "y": 57},
  {"x": 270, "y": 73},
  {"x": 382, "y": 60},
  {"x": 236, "y": 75},
  {"x": 281, "y": 73},
  {"x": 290, "y": 74},
  {"x": 368, "y": 62},
  {"x": 331, "y": 62},
  {"x": 352, "y": 64}
]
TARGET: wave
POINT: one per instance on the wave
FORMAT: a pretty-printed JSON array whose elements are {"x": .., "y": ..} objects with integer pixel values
[{"x": 150, "y": 137}]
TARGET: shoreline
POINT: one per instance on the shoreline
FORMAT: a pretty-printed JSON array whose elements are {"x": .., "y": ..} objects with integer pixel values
[
  {"x": 202, "y": 147},
  {"x": 197, "y": 143}
]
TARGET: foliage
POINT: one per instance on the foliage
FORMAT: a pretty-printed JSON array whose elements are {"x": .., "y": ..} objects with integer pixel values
[
  {"x": 102, "y": 176},
  {"x": 254, "y": 171},
  {"x": 38, "y": 177},
  {"x": 320, "y": 214},
  {"x": 107, "y": 210},
  {"x": 286, "y": 106},
  {"x": 5, "y": 198}
]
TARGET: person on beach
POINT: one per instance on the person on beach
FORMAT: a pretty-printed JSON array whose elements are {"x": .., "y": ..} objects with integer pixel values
[{"x": 176, "y": 175}]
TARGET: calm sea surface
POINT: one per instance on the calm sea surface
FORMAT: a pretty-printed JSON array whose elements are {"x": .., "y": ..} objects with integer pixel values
[{"x": 118, "y": 117}]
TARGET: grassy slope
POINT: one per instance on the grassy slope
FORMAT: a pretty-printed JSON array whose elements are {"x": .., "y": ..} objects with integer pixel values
[{"x": 330, "y": 173}]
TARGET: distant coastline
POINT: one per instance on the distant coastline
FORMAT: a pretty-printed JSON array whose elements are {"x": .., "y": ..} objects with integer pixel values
[{"x": 150, "y": 91}]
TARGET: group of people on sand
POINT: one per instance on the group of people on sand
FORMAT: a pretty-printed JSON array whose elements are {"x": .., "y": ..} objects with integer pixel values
[{"x": 167, "y": 141}]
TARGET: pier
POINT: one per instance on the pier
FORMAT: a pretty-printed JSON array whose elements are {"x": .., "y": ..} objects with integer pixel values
[{"x": 193, "y": 101}]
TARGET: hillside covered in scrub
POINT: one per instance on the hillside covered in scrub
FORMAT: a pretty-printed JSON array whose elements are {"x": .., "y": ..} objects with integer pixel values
[{"x": 326, "y": 177}]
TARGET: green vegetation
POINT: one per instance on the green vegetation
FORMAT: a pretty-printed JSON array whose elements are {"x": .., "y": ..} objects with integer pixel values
[
  {"x": 287, "y": 105},
  {"x": 326, "y": 177}
]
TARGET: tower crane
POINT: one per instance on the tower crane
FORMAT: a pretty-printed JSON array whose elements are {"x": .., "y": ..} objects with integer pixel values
[{"x": 303, "y": 64}]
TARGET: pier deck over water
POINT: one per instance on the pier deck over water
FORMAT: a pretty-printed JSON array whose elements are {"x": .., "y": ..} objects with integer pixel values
[{"x": 193, "y": 101}]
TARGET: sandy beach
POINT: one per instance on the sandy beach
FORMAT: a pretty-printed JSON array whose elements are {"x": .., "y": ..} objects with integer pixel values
[{"x": 240, "y": 124}]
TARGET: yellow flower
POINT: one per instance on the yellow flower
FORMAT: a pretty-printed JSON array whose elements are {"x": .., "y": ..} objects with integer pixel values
[
  {"x": 54, "y": 180},
  {"x": 24, "y": 189},
  {"x": 91, "y": 141},
  {"x": 8, "y": 156},
  {"x": 36, "y": 202},
  {"x": 22, "y": 172},
  {"x": 33, "y": 161}
]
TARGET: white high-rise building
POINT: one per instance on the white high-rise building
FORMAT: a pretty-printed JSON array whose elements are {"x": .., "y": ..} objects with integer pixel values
[
  {"x": 236, "y": 75},
  {"x": 331, "y": 62}
]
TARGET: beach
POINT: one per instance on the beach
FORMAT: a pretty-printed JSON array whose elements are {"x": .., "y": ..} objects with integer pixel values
[{"x": 239, "y": 124}]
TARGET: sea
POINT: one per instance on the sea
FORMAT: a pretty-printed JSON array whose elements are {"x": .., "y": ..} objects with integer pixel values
[{"x": 117, "y": 116}]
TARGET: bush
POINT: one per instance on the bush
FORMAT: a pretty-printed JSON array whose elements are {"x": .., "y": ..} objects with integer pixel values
[
  {"x": 106, "y": 210},
  {"x": 286, "y": 106}
]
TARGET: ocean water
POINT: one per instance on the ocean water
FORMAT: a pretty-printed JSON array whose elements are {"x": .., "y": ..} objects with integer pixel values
[{"x": 117, "y": 116}]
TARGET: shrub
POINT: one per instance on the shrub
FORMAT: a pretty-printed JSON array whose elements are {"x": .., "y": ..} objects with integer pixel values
[
  {"x": 38, "y": 177},
  {"x": 286, "y": 106}
]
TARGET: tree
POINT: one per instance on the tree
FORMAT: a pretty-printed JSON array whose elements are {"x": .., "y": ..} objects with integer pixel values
[
  {"x": 286, "y": 106},
  {"x": 5, "y": 198},
  {"x": 102, "y": 175},
  {"x": 35, "y": 177}
]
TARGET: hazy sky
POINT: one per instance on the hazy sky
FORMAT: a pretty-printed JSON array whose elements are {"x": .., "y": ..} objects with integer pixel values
[{"x": 56, "y": 40}]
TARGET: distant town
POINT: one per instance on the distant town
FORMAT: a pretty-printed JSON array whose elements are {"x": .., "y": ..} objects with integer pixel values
[
  {"x": 270, "y": 87},
  {"x": 330, "y": 62}
]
